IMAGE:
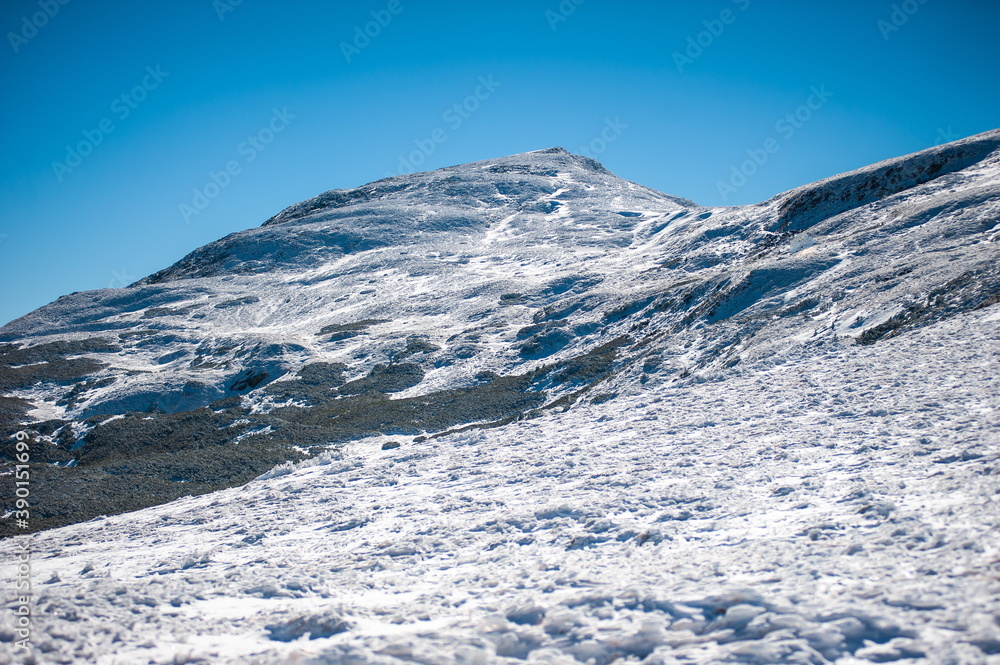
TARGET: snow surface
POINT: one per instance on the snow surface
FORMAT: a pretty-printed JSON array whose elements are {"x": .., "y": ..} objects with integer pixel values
[
  {"x": 789, "y": 455},
  {"x": 838, "y": 507}
]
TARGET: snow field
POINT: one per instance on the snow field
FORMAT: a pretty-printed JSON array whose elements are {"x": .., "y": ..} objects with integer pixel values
[{"x": 838, "y": 507}]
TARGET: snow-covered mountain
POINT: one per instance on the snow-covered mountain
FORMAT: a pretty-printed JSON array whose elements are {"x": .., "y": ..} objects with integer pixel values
[{"x": 560, "y": 417}]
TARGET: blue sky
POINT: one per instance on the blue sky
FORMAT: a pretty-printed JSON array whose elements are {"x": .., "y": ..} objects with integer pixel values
[{"x": 137, "y": 132}]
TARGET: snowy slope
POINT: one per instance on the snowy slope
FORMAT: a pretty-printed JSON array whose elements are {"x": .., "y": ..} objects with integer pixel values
[
  {"x": 473, "y": 294},
  {"x": 558, "y": 416},
  {"x": 835, "y": 507}
]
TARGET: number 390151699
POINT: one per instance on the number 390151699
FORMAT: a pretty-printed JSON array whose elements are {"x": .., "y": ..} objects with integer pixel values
[{"x": 22, "y": 476}]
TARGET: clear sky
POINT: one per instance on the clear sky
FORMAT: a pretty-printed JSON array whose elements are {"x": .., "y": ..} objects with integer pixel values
[{"x": 135, "y": 132}]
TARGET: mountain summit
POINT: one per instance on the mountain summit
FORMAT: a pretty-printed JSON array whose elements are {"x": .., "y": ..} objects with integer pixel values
[
  {"x": 474, "y": 296},
  {"x": 444, "y": 207}
]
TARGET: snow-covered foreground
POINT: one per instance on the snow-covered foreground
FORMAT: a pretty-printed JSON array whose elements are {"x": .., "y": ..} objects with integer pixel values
[{"x": 827, "y": 506}]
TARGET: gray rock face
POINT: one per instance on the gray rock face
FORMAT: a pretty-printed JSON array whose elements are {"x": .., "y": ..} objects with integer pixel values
[{"x": 473, "y": 296}]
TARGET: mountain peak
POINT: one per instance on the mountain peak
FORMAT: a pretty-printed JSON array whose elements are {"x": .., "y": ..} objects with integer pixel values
[{"x": 547, "y": 163}]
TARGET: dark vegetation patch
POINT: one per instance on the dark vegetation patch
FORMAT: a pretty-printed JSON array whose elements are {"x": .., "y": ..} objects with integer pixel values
[
  {"x": 12, "y": 410},
  {"x": 416, "y": 345},
  {"x": 343, "y": 331},
  {"x": 144, "y": 434},
  {"x": 317, "y": 383},
  {"x": 49, "y": 362},
  {"x": 375, "y": 413},
  {"x": 144, "y": 459},
  {"x": 970, "y": 290},
  {"x": 57, "y": 371},
  {"x": 12, "y": 355},
  {"x": 238, "y": 302},
  {"x": 385, "y": 379},
  {"x": 226, "y": 403},
  {"x": 156, "y": 312},
  {"x": 329, "y": 374},
  {"x": 80, "y": 389},
  {"x": 140, "y": 460}
]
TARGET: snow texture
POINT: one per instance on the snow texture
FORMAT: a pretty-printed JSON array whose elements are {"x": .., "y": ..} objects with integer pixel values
[
  {"x": 762, "y": 434},
  {"x": 837, "y": 507}
]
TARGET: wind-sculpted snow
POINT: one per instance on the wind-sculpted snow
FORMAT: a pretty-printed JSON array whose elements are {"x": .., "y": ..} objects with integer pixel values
[{"x": 818, "y": 507}]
